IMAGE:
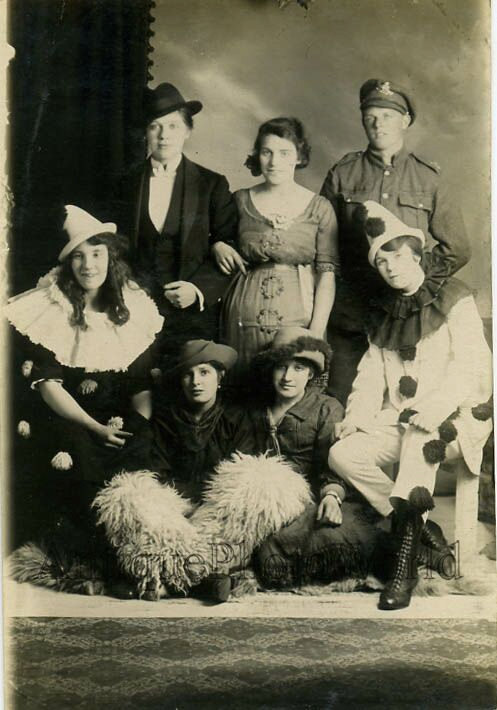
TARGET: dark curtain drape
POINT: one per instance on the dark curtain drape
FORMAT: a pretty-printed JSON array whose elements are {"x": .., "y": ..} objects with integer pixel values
[
  {"x": 75, "y": 95},
  {"x": 76, "y": 88}
]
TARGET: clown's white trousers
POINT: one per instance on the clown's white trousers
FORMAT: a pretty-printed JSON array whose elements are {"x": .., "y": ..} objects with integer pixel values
[{"x": 359, "y": 457}]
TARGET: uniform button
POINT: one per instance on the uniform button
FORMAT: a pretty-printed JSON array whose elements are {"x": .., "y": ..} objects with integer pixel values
[
  {"x": 385, "y": 195},
  {"x": 420, "y": 204},
  {"x": 387, "y": 172},
  {"x": 347, "y": 199}
]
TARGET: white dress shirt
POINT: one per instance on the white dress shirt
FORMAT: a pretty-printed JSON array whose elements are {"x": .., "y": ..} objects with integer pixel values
[{"x": 161, "y": 190}]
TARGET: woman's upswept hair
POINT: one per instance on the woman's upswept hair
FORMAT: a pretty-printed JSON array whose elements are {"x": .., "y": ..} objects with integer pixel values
[
  {"x": 111, "y": 291},
  {"x": 283, "y": 127}
]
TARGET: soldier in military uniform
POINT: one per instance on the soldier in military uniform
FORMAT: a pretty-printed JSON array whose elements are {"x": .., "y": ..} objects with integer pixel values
[{"x": 408, "y": 185}]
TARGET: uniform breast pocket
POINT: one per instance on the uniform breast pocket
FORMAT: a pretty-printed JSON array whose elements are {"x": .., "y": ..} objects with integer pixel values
[{"x": 415, "y": 208}]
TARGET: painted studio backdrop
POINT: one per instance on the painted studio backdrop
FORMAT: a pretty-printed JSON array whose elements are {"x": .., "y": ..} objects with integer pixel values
[
  {"x": 79, "y": 71},
  {"x": 249, "y": 60}
]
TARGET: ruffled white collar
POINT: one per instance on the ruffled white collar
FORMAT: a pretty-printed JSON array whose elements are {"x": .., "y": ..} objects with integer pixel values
[{"x": 43, "y": 314}]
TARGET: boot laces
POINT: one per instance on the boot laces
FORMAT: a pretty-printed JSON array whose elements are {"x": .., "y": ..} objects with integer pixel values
[{"x": 403, "y": 557}]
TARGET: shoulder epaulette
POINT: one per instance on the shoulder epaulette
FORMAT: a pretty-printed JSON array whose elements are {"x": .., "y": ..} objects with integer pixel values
[
  {"x": 429, "y": 163},
  {"x": 349, "y": 158}
]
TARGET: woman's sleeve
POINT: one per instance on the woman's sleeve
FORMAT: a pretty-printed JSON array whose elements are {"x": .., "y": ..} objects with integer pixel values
[
  {"x": 327, "y": 258},
  {"x": 138, "y": 377},
  {"x": 44, "y": 366},
  {"x": 331, "y": 413}
]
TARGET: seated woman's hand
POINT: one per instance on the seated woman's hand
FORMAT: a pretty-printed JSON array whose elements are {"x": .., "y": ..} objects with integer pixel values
[
  {"x": 180, "y": 294},
  {"x": 228, "y": 259},
  {"x": 329, "y": 511},
  {"x": 112, "y": 437}
]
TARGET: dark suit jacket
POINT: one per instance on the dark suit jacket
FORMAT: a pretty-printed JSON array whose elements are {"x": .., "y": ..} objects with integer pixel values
[{"x": 209, "y": 214}]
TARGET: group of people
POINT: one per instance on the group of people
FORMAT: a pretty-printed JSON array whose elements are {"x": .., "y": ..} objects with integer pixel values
[{"x": 183, "y": 365}]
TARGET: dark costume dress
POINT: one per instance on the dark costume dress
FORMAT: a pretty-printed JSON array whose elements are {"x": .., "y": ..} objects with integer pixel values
[
  {"x": 307, "y": 550},
  {"x": 101, "y": 366}
]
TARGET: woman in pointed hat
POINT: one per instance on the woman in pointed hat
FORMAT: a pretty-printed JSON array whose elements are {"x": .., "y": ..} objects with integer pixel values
[
  {"x": 421, "y": 392},
  {"x": 88, "y": 329}
]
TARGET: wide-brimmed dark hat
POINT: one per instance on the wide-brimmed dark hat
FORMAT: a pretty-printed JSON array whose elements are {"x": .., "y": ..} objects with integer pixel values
[
  {"x": 385, "y": 94},
  {"x": 165, "y": 99},
  {"x": 295, "y": 343},
  {"x": 195, "y": 352}
]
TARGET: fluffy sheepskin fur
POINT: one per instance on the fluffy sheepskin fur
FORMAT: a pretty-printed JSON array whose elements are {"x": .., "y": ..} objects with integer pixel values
[
  {"x": 40, "y": 565},
  {"x": 145, "y": 522},
  {"x": 248, "y": 499}
]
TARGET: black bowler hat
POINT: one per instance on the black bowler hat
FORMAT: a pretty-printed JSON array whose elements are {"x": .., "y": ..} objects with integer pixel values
[
  {"x": 165, "y": 99},
  {"x": 377, "y": 92}
]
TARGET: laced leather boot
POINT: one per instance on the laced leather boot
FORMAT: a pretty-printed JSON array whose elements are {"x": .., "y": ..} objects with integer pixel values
[{"x": 408, "y": 525}]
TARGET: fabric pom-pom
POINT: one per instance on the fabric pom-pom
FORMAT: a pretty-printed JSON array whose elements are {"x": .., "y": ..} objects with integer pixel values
[
  {"x": 407, "y": 386},
  {"x": 434, "y": 451},
  {"x": 88, "y": 386},
  {"x": 62, "y": 461},
  {"x": 26, "y": 368},
  {"x": 421, "y": 498},
  {"x": 24, "y": 429},
  {"x": 405, "y": 415},
  {"x": 360, "y": 215},
  {"x": 408, "y": 353},
  {"x": 482, "y": 412},
  {"x": 447, "y": 431},
  {"x": 454, "y": 415},
  {"x": 375, "y": 226},
  {"x": 116, "y": 422}
]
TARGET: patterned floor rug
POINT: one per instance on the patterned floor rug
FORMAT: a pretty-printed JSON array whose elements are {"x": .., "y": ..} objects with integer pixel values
[{"x": 277, "y": 664}]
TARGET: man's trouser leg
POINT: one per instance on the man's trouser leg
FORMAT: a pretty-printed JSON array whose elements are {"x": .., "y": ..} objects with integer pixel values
[{"x": 358, "y": 459}]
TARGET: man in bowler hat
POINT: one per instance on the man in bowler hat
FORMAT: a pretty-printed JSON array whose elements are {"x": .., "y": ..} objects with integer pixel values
[
  {"x": 173, "y": 211},
  {"x": 408, "y": 185}
]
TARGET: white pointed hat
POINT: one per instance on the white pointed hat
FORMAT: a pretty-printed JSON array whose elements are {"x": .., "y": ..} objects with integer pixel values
[
  {"x": 381, "y": 226},
  {"x": 79, "y": 226}
]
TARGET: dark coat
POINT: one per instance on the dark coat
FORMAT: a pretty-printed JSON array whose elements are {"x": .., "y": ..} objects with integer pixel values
[{"x": 209, "y": 215}]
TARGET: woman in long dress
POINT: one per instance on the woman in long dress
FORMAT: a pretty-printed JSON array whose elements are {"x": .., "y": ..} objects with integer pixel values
[{"x": 288, "y": 239}]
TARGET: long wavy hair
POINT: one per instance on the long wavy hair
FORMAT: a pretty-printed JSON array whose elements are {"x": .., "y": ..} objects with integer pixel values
[{"x": 110, "y": 293}]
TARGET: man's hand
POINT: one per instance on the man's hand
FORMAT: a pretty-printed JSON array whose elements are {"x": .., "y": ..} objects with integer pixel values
[
  {"x": 228, "y": 259},
  {"x": 329, "y": 511},
  {"x": 180, "y": 294},
  {"x": 425, "y": 421},
  {"x": 344, "y": 429}
]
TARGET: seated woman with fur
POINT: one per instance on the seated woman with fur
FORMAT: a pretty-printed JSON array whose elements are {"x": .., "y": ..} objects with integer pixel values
[
  {"x": 421, "y": 392},
  {"x": 236, "y": 503},
  {"x": 193, "y": 431}
]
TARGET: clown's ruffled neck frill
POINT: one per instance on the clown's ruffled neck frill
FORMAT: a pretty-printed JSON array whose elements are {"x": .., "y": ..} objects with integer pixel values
[
  {"x": 398, "y": 322},
  {"x": 44, "y": 314}
]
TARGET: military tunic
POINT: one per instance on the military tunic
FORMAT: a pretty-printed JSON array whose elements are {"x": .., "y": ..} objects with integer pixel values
[{"x": 412, "y": 188}]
